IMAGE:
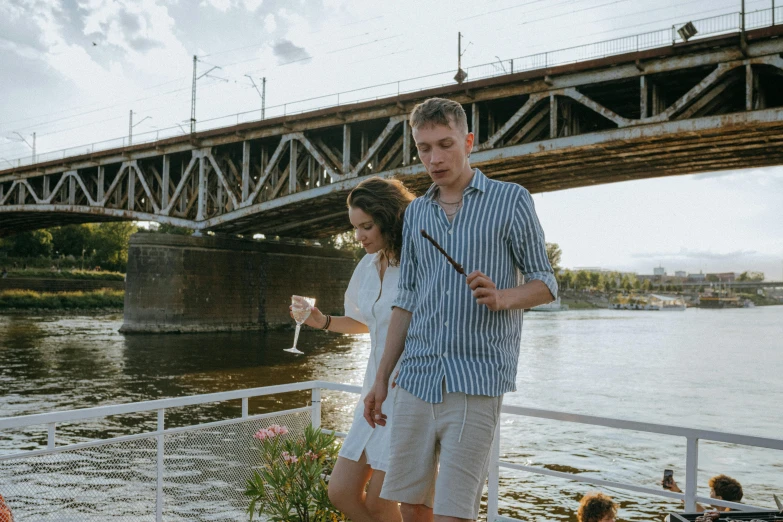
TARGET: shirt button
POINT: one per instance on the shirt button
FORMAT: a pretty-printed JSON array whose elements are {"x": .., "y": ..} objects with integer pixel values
[
  {"x": 451, "y": 231},
  {"x": 448, "y": 292},
  {"x": 446, "y": 323}
]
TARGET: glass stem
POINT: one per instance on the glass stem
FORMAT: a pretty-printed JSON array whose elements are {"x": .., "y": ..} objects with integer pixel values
[{"x": 296, "y": 335}]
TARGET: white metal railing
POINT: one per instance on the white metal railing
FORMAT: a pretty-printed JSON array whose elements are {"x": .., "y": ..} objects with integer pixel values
[
  {"x": 721, "y": 24},
  {"x": 214, "y": 436}
]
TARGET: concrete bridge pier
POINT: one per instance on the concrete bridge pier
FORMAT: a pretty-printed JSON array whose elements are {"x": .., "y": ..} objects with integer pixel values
[{"x": 208, "y": 284}]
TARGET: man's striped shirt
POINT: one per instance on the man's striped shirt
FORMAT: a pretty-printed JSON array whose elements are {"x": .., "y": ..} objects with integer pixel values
[{"x": 450, "y": 336}]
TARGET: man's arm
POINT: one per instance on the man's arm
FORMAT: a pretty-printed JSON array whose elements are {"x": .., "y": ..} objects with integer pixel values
[
  {"x": 528, "y": 247},
  {"x": 395, "y": 344},
  {"x": 528, "y": 295}
]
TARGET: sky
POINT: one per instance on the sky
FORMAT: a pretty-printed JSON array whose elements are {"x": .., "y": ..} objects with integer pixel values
[{"x": 71, "y": 71}]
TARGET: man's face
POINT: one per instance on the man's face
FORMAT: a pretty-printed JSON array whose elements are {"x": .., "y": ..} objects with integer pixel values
[{"x": 444, "y": 151}]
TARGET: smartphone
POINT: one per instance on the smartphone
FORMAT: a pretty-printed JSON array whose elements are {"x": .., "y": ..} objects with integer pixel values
[{"x": 668, "y": 478}]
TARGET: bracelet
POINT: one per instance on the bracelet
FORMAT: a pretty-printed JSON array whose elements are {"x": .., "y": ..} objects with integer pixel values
[{"x": 328, "y": 322}]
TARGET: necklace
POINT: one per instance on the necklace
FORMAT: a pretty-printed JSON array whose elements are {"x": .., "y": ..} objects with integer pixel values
[{"x": 449, "y": 202}]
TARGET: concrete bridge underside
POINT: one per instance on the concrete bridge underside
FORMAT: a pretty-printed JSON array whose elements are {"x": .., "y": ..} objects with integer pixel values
[{"x": 711, "y": 105}]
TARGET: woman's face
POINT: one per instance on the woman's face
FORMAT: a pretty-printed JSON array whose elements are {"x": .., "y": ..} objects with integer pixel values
[
  {"x": 367, "y": 232},
  {"x": 608, "y": 518}
]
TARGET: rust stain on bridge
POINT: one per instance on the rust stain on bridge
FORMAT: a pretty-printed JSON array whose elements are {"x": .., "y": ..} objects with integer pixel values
[{"x": 705, "y": 106}]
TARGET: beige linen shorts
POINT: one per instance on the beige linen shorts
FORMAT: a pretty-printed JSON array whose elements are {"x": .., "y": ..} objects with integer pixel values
[{"x": 458, "y": 434}]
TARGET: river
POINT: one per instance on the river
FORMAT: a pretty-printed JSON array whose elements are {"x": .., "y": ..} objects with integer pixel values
[{"x": 713, "y": 369}]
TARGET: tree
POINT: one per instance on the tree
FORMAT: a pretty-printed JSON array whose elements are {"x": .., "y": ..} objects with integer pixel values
[
  {"x": 595, "y": 279},
  {"x": 554, "y": 254},
  {"x": 171, "y": 229},
  {"x": 582, "y": 280},
  {"x": 565, "y": 279},
  {"x": 110, "y": 242},
  {"x": 345, "y": 241},
  {"x": 32, "y": 243},
  {"x": 647, "y": 285},
  {"x": 712, "y": 278},
  {"x": 72, "y": 240}
]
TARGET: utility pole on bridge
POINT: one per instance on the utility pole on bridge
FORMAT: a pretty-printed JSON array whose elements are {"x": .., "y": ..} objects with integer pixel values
[
  {"x": 193, "y": 93},
  {"x": 22, "y": 138},
  {"x": 261, "y": 93}
]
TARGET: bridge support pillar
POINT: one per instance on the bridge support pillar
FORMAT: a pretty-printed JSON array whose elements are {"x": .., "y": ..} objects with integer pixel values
[{"x": 207, "y": 284}]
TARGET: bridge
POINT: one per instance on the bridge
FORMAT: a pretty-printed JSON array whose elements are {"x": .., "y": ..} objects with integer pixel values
[{"x": 639, "y": 107}]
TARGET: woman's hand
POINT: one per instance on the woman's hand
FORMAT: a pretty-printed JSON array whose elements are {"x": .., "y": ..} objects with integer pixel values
[{"x": 315, "y": 320}]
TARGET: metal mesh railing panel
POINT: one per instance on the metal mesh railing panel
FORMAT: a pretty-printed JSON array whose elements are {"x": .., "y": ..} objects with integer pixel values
[
  {"x": 206, "y": 470},
  {"x": 115, "y": 482}
]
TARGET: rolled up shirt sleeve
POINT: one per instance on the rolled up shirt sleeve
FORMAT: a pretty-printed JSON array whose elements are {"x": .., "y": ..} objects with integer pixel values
[
  {"x": 407, "y": 299},
  {"x": 529, "y": 245}
]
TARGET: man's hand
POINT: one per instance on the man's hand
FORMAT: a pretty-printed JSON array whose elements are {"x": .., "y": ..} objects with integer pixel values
[
  {"x": 484, "y": 291},
  {"x": 373, "y": 403}
]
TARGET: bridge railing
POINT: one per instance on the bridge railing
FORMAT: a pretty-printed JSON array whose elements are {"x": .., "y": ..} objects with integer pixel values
[{"x": 715, "y": 25}]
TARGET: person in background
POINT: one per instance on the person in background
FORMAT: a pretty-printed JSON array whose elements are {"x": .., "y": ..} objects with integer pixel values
[
  {"x": 5, "y": 511},
  {"x": 722, "y": 487},
  {"x": 597, "y": 507}
]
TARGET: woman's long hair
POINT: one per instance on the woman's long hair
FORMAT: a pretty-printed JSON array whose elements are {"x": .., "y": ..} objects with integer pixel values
[{"x": 385, "y": 202}]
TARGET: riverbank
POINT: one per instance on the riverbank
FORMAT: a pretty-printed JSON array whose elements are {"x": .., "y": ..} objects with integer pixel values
[
  {"x": 103, "y": 300},
  {"x": 42, "y": 273},
  {"x": 592, "y": 300}
]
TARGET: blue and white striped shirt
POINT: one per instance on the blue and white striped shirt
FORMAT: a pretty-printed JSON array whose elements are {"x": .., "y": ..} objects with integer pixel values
[{"x": 450, "y": 336}]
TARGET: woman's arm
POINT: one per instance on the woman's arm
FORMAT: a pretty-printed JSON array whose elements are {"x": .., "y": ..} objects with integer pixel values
[{"x": 339, "y": 324}]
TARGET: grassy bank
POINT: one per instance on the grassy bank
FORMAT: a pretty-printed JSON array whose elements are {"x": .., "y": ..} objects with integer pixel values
[
  {"x": 28, "y": 300},
  {"x": 42, "y": 273}
]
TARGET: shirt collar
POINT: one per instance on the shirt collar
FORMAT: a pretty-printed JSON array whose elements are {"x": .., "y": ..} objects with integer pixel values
[{"x": 479, "y": 183}]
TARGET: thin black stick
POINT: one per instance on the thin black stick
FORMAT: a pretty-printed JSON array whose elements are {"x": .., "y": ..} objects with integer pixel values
[{"x": 456, "y": 265}]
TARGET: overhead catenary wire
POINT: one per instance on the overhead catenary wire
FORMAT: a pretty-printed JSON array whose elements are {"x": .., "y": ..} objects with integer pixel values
[
  {"x": 185, "y": 78},
  {"x": 243, "y": 85}
]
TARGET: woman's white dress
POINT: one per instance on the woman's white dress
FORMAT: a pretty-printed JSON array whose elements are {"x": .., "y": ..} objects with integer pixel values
[{"x": 369, "y": 301}]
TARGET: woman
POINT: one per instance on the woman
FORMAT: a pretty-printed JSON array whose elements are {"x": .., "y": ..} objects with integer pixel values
[
  {"x": 597, "y": 507},
  {"x": 375, "y": 208}
]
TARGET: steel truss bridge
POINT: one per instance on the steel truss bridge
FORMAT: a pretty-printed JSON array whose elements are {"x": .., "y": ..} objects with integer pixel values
[{"x": 712, "y": 104}]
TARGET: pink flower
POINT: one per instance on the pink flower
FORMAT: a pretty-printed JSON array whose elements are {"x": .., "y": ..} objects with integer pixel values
[
  {"x": 278, "y": 430},
  {"x": 310, "y": 455},
  {"x": 290, "y": 459},
  {"x": 263, "y": 434}
]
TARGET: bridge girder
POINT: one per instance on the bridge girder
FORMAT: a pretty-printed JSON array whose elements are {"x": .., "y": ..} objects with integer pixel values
[{"x": 693, "y": 108}]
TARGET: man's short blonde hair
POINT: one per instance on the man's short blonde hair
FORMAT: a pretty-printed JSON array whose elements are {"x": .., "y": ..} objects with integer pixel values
[{"x": 439, "y": 111}]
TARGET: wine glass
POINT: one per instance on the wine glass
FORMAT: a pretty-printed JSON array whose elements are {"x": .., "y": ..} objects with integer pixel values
[{"x": 300, "y": 309}]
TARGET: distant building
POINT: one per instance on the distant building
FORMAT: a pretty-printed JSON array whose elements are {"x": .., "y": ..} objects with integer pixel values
[
  {"x": 681, "y": 274},
  {"x": 591, "y": 269},
  {"x": 659, "y": 271},
  {"x": 697, "y": 278},
  {"x": 725, "y": 277}
]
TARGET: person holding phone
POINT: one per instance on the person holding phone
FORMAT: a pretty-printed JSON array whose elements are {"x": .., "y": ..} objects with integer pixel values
[{"x": 722, "y": 487}]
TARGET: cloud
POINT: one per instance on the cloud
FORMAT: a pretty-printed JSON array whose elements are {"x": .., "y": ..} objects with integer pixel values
[
  {"x": 18, "y": 30},
  {"x": 220, "y": 5},
  {"x": 269, "y": 23},
  {"x": 252, "y": 5},
  {"x": 143, "y": 45},
  {"x": 129, "y": 22},
  {"x": 286, "y": 51}
]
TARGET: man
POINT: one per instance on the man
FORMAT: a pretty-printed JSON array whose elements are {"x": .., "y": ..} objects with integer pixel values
[
  {"x": 722, "y": 487},
  {"x": 459, "y": 337}
]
